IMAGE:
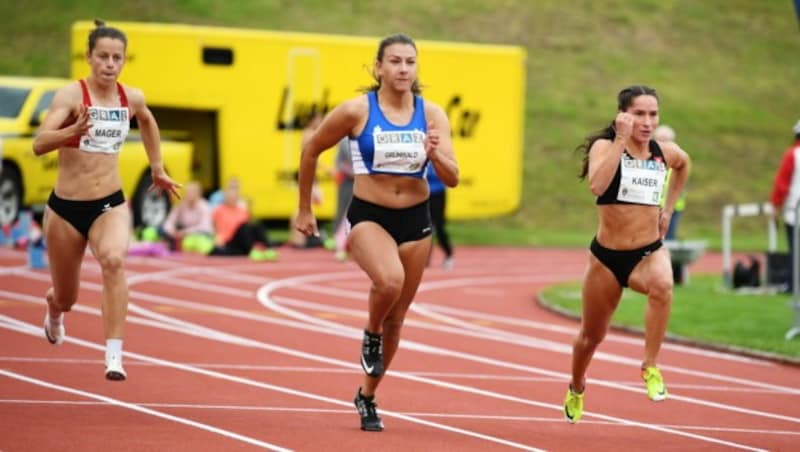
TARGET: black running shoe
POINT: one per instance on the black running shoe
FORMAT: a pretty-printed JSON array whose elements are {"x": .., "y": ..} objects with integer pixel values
[
  {"x": 368, "y": 410},
  {"x": 372, "y": 354}
]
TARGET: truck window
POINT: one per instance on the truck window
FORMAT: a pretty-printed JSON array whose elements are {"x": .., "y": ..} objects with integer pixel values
[
  {"x": 44, "y": 104},
  {"x": 11, "y": 100},
  {"x": 217, "y": 55}
]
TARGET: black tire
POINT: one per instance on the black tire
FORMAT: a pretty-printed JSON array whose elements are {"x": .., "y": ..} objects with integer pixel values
[
  {"x": 150, "y": 208},
  {"x": 10, "y": 195}
]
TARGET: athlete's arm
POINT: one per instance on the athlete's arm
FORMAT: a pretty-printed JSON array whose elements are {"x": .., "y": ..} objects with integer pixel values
[
  {"x": 339, "y": 123},
  {"x": 439, "y": 145},
  {"x": 151, "y": 138},
  {"x": 67, "y": 103},
  {"x": 681, "y": 165},
  {"x": 605, "y": 154}
]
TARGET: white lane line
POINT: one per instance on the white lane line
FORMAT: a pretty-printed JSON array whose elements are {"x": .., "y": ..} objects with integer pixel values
[
  {"x": 440, "y": 323},
  {"x": 328, "y": 326},
  {"x": 496, "y": 334},
  {"x": 255, "y": 367},
  {"x": 308, "y": 323},
  {"x": 12, "y": 270},
  {"x": 485, "y": 417},
  {"x": 16, "y": 325},
  {"x": 184, "y": 327},
  {"x": 304, "y": 323},
  {"x": 572, "y": 331},
  {"x": 435, "y": 286},
  {"x": 420, "y": 373},
  {"x": 532, "y": 324},
  {"x": 27, "y": 328},
  {"x": 142, "y": 409},
  {"x": 189, "y": 406},
  {"x": 332, "y": 328}
]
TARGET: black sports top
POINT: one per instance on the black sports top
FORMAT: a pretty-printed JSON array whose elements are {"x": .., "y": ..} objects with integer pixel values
[{"x": 649, "y": 176}]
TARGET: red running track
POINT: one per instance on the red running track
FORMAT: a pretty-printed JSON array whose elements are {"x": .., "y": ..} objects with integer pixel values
[{"x": 228, "y": 354}]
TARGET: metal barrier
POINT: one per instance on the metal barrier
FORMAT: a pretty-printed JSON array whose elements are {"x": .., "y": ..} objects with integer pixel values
[
  {"x": 729, "y": 212},
  {"x": 755, "y": 209},
  {"x": 682, "y": 253},
  {"x": 795, "y": 329}
]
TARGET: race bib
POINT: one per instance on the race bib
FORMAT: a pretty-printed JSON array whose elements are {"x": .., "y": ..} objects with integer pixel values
[
  {"x": 641, "y": 181},
  {"x": 110, "y": 127},
  {"x": 398, "y": 151}
]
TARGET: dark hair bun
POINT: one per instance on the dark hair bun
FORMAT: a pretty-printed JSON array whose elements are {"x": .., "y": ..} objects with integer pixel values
[{"x": 99, "y": 23}]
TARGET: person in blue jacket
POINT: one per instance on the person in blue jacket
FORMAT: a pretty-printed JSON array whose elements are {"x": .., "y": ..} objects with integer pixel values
[{"x": 438, "y": 202}]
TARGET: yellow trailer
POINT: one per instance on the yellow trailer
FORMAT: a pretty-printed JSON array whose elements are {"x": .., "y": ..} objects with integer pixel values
[{"x": 245, "y": 95}]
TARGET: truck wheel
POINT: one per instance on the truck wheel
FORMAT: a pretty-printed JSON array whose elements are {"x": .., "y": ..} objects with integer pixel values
[
  {"x": 150, "y": 208},
  {"x": 10, "y": 195}
]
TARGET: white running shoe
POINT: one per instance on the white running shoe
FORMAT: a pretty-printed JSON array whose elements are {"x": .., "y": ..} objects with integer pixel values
[
  {"x": 57, "y": 335},
  {"x": 114, "y": 370}
]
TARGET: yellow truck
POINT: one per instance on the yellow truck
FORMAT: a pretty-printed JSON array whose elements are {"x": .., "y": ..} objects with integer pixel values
[
  {"x": 27, "y": 180},
  {"x": 244, "y": 96}
]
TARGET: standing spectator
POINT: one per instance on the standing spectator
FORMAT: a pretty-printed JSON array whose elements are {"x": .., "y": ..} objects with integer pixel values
[
  {"x": 438, "y": 204},
  {"x": 344, "y": 184},
  {"x": 665, "y": 134},
  {"x": 786, "y": 194}
]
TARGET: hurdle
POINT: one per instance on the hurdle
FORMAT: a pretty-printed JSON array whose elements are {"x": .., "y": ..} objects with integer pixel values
[{"x": 731, "y": 211}]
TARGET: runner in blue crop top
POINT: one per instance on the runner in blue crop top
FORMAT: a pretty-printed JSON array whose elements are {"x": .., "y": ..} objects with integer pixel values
[
  {"x": 386, "y": 148},
  {"x": 394, "y": 135},
  {"x": 626, "y": 171}
]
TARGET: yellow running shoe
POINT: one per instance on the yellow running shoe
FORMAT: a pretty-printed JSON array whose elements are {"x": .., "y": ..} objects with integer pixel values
[
  {"x": 656, "y": 390},
  {"x": 267, "y": 254},
  {"x": 573, "y": 406}
]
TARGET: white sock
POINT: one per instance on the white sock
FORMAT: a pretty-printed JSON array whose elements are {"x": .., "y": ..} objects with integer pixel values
[
  {"x": 113, "y": 347},
  {"x": 55, "y": 322}
]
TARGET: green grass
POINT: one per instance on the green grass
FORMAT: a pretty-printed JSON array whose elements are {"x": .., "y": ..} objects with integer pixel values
[
  {"x": 705, "y": 311},
  {"x": 493, "y": 232},
  {"x": 726, "y": 70}
]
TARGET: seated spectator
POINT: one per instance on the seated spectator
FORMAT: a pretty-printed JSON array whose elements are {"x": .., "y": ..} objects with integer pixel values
[
  {"x": 218, "y": 196},
  {"x": 235, "y": 234},
  {"x": 189, "y": 222}
]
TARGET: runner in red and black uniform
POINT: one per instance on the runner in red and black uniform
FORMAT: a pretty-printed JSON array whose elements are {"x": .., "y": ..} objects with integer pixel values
[{"x": 87, "y": 124}]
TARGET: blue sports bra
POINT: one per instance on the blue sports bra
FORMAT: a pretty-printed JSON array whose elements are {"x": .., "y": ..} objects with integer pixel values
[{"x": 386, "y": 148}]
